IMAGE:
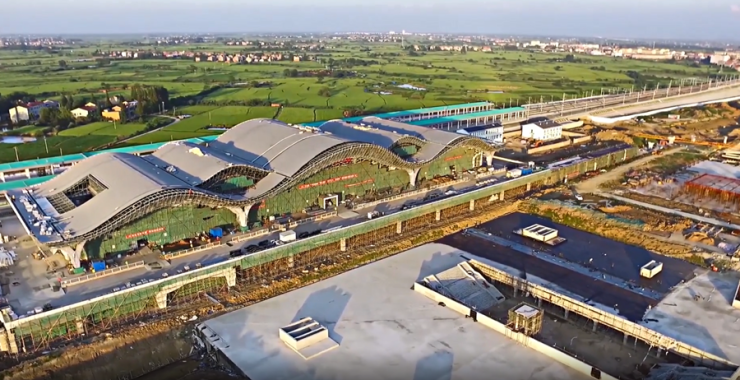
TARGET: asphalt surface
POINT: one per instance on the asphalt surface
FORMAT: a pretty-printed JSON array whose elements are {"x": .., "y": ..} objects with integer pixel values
[
  {"x": 630, "y": 305},
  {"x": 85, "y": 291},
  {"x": 608, "y": 256}
]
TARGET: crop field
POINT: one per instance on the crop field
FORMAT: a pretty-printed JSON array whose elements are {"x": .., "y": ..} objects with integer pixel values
[
  {"x": 357, "y": 78},
  {"x": 79, "y": 139}
]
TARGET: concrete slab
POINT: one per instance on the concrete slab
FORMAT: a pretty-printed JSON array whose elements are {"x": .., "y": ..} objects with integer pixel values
[
  {"x": 12, "y": 227},
  {"x": 596, "y": 252},
  {"x": 384, "y": 330},
  {"x": 710, "y": 324}
]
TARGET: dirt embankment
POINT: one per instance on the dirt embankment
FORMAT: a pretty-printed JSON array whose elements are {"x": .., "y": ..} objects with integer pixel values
[
  {"x": 710, "y": 124},
  {"x": 149, "y": 348},
  {"x": 127, "y": 354},
  {"x": 653, "y": 221},
  {"x": 591, "y": 221}
]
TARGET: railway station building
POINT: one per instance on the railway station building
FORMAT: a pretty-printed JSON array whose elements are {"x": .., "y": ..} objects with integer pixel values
[{"x": 113, "y": 203}]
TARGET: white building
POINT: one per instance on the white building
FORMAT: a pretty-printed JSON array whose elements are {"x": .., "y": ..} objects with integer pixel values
[
  {"x": 542, "y": 130},
  {"x": 493, "y": 133},
  {"x": 84, "y": 111},
  {"x": 30, "y": 111}
]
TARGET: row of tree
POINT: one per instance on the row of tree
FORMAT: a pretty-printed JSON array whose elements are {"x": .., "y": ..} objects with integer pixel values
[{"x": 151, "y": 99}]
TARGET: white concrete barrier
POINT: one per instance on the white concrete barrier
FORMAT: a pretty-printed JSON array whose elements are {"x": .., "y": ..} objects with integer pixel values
[{"x": 527, "y": 341}]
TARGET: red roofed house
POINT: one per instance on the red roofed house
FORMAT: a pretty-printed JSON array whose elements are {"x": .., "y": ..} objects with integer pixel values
[{"x": 30, "y": 111}]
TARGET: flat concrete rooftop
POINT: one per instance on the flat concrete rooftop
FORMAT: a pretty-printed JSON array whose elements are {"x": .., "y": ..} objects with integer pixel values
[
  {"x": 384, "y": 330},
  {"x": 709, "y": 323}
]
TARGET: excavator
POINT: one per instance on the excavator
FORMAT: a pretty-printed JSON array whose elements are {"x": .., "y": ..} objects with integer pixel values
[{"x": 537, "y": 143}]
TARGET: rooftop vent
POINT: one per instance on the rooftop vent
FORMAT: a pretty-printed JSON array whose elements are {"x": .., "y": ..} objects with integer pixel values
[{"x": 171, "y": 169}]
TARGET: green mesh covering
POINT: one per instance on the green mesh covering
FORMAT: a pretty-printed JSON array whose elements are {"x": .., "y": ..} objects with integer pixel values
[
  {"x": 161, "y": 227},
  {"x": 357, "y": 179},
  {"x": 234, "y": 184}
]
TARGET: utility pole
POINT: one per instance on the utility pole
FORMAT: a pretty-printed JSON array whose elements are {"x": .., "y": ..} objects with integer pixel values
[
  {"x": 46, "y": 145},
  {"x": 17, "y": 159},
  {"x": 562, "y": 106}
]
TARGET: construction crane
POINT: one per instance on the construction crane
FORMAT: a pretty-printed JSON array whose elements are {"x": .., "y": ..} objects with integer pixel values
[{"x": 667, "y": 140}]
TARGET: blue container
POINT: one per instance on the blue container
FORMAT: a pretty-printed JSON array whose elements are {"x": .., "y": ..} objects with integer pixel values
[
  {"x": 217, "y": 232},
  {"x": 526, "y": 171},
  {"x": 98, "y": 266}
]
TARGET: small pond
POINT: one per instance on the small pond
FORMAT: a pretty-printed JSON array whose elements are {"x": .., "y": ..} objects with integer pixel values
[{"x": 16, "y": 139}]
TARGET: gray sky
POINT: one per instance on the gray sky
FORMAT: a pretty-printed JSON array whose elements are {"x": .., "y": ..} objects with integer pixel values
[{"x": 677, "y": 19}]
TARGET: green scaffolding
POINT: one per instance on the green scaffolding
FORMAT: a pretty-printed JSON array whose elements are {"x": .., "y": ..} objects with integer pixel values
[
  {"x": 161, "y": 227},
  {"x": 458, "y": 160},
  {"x": 359, "y": 179},
  {"x": 37, "y": 332}
]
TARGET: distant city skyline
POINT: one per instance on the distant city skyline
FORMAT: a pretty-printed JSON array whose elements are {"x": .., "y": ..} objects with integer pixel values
[{"x": 676, "y": 19}]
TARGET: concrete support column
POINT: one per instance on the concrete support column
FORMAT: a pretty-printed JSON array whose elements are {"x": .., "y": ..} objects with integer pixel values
[
  {"x": 80, "y": 326},
  {"x": 539, "y": 302},
  {"x": 230, "y": 277},
  {"x": 624, "y": 340},
  {"x": 28, "y": 173},
  {"x": 12, "y": 344},
  {"x": 438, "y": 215},
  {"x": 4, "y": 346},
  {"x": 529, "y": 186},
  {"x": 565, "y": 315},
  {"x": 343, "y": 245},
  {"x": 516, "y": 291},
  {"x": 472, "y": 205},
  {"x": 241, "y": 214},
  {"x": 399, "y": 227},
  {"x": 489, "y": 158},
  {"x": 596, "y": 325},
  {"x": 73, "y": 254},
  {"x": 501, "y": 196},
  {"x": 2, "y": 176},
  {"x": 161, "y": 299},
  {"x": 413, "y": 173},
  {"x": 51, "y": 169}
]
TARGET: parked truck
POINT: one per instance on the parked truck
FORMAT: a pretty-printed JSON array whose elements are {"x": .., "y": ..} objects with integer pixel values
[
  {"x": 374, "y": 214},
  {"x": 287, "y": 236},
  {"x": 514, "y": 173}
]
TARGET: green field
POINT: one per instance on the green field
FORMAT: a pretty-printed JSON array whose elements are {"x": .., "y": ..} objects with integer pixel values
[
  {"x": 222, "y": 95},
  {"x": 80, "y": 139}
]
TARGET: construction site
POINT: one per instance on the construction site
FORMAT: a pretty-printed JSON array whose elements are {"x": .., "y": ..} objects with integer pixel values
[
  {"x": 653, "y": 315},
  {"x": 254, "y": 277},
  {"x": 712, "y": 126},
  {"x": 166, "y": 300}
]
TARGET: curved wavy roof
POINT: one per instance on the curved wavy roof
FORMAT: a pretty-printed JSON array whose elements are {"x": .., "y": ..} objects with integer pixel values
[{"x": 281, "y": 154}]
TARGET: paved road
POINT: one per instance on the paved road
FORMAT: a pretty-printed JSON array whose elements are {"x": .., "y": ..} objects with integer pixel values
[
  {"x": 176, "y": 120},
  {"x": 592, "y": 184},
  {"x": 95, "y": 288}
]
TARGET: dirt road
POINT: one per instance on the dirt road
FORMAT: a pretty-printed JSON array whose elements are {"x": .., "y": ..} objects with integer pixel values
[{"x": 592, "y": 184}]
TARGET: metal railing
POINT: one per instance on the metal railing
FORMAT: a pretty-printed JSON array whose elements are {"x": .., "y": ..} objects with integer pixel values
[{"x": 102, "y": 273}]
